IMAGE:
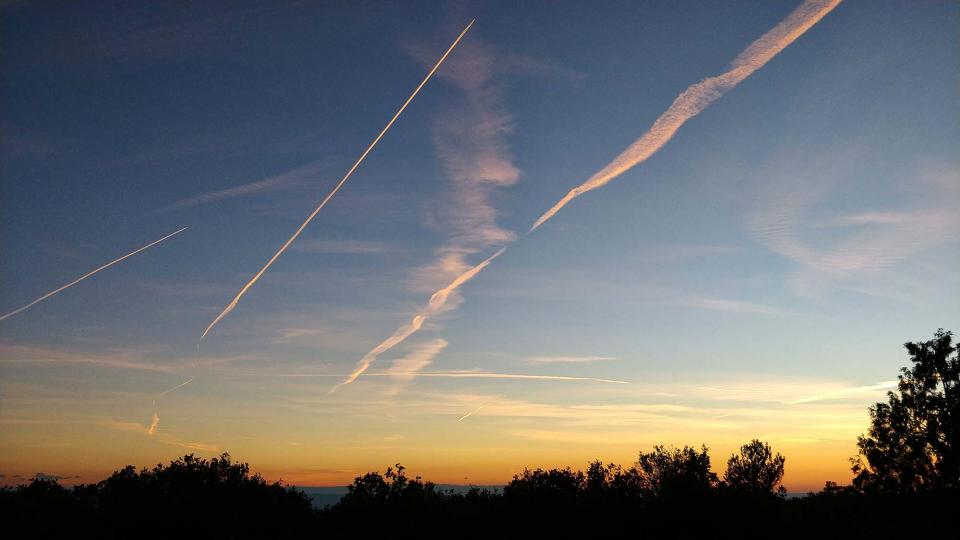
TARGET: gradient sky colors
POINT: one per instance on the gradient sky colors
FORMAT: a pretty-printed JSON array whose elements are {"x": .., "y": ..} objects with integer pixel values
[{"x": 755, "y": 277}]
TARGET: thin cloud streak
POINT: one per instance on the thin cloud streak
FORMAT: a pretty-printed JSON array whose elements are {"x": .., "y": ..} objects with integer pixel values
[
  {"x": 567, "y": 359},
  {"x": 92, "y": 272},
  {"x": 699, "y": 96},
  {"x": 442, "y": 374},
  {"x": 416, "y": 360},
  {"x": 233, "y": 304},
  {"x": 273, "y": 182}
]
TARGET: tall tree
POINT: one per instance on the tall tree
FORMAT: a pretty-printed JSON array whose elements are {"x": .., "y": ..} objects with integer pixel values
[
  {"x": 914, "y": 438},
  {"x": 755, "y": 471}
]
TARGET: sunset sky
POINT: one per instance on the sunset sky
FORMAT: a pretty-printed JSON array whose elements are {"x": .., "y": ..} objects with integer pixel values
[{"x": 755, "y": 277}]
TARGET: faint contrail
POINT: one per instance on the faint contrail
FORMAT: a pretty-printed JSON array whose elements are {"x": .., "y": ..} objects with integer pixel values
[
  {"x": 435, "y": 305},
  {"x": 155, "y": 421},
  {"x": 339, "y": 185},
  {"x": 92, "y": 272},
  {"x": 444, "y": 374},
  {"x": 469, "y": 414},
  {"x": 181, "y": 385},
  {"x": 699, "y": 96}
]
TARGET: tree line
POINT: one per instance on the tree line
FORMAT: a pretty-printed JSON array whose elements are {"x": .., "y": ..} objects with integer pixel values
[{"x": 906, "y": 482}]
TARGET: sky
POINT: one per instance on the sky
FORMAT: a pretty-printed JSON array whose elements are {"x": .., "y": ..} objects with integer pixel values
[{"x": 754, "y": 276}]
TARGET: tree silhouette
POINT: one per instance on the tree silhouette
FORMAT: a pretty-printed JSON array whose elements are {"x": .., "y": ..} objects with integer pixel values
[
  {"x": 675, "y": 473},
  {"x": 912, "y": 445},
  {"x": 755, "y": 471}
]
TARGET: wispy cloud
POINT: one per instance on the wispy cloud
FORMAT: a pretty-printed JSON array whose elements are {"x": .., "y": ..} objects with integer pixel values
[
  {"x": 862, "y": 247},
  {"x": 699, "y": 96},
  {"x": 469, "y": 141},
  {"x": 123, "y": 359},
  {"x": 154, "y": 422},
  {"x": 732, "y": 306},
  {"x": 566, "y": 359},
  {"x": 349, "y": 247},
  {"x": 291, "y": 178},
  {"x": 839, "y": 393},
  {"x": 419, "y": 357}
]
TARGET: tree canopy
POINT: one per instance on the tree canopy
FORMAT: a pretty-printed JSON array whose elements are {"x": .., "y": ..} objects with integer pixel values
[{"x": 914, "y": 437}]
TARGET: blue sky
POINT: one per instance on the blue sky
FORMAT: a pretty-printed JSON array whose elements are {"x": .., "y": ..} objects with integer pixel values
[{"x": 790, "y": 237}]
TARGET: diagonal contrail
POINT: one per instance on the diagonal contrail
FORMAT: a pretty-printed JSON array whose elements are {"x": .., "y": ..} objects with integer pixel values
[
  {"x": 92, "y": 272},
  {"x": 436, "y": 304},
  {"x": 699, "y": 96},
  {"x": 339, "y": 185},
  {"x": 469, "y": 414},
  {"x": 688, "y": 104}
]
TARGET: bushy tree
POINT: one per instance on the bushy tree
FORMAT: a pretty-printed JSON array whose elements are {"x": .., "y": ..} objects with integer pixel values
[
  {"x": 393, "y": 487},
  {"x": 755, "y": 471},
  {"x": 675, "y": 472},
  {"x": 914, "y": 437}
]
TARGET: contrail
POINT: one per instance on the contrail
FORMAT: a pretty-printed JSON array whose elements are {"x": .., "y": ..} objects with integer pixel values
[
  {"x": 181, "y": 385},
  {"x": 699, "y": 96},
  {"x": 92, "y": 272},
  {"x": 436, "y": 303},
  {"x": 444, "y": 374},
  {"x": 469, "y": 414},
  {"x": 688, "y": 104},
  {"x": 339, "y": 185},
  {"x": 155, "y": 421}
]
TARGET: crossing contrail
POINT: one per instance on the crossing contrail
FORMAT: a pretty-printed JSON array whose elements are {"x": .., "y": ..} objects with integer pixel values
[
  {"x": 233, "y": 303},
  {"x": 155, "y": 421},
  {"x": 92, "y": 272},
  {"x": 436, "y": 304},
  {"x": 688, "y": 104},
  {"x": 699, "y": 96}
]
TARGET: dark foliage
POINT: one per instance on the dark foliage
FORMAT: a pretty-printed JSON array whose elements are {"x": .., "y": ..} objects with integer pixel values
[
  {"x": 189, "y": 497},
  {"x": 755, "y": 472},
  {"x": 906, "y": 486},
  {"x": 914, "y": 440}
]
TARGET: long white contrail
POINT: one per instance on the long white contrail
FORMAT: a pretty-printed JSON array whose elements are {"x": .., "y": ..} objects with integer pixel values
[
  {"x": 434, "y": 306},
  {"x": 699, "y": 96},
  {"x": 233, "y": 303},
  {"x": 90, "y": 273}
]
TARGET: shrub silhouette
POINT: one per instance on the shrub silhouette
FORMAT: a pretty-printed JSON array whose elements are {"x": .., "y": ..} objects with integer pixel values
[{"x": 913, "y": 443}]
